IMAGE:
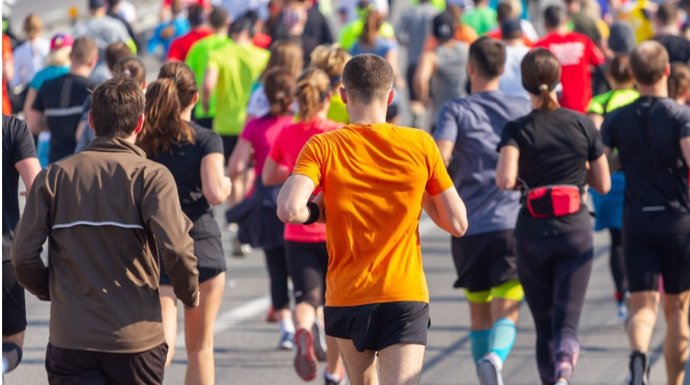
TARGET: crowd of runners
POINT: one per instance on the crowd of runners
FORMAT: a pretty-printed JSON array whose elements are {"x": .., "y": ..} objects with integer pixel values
[{"x": 528, "y": 120}]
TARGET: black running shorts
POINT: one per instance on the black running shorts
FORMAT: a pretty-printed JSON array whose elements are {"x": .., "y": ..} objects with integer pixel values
[
  {"x": 13, "y": 303},
  {"x": 307, "y": 263},
  {"x": 378, "y": 326},
  {"x": 483, "y": 261},
  {"x": 648, "y": 255}
]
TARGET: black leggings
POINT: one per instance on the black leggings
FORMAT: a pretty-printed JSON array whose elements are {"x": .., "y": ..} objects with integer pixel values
[
  {"x": 278, "y": 276},
  {"x": 307, "y": 263},
  {"x": 554, "y": 272},
  {"x": 617, "y": 264}
]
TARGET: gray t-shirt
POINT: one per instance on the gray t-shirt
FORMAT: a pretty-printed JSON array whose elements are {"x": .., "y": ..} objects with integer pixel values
[
  {"x": 450, "y": 78},
  {"x": 475, "y": 123},
  {"x": 104, "y": 30}
]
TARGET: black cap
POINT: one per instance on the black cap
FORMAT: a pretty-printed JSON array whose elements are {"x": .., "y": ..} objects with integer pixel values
[
  {"x": 95, "y": 4},
  {"x": 511, "y": 29},
  {"x": 443, "y": 26},
  {"x": 621, "y": 38}
]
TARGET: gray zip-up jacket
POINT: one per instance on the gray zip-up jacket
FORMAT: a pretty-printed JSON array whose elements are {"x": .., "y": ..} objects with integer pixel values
[{"x": 107, "y": 213}]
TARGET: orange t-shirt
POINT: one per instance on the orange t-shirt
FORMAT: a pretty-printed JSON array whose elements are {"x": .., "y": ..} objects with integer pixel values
[
  {"x": 373, "y": 179},
  {"x": 6, "y": 58}
]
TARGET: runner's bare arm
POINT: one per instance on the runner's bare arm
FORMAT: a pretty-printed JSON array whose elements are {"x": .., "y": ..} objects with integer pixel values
[
  {"x": 210, "y": 80},
  {"x": 28, "y": 169},
  {"x": 448, "y": 211},
  {"x": 507, "y": 168},
  {"x": 239, "y": 159},
  {"x": 214, "y": 184},
  {"x": 446, "y": 148},
  {"x": 273, "y": 173},
  {"x": 598, "y": 175},
  {"x": 293, "y": 197},
  {"x": 426, "y": 68}
]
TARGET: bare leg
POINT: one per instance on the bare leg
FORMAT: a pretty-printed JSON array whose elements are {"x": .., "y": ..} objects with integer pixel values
[
  {"x": 505, "y": 308},
  {"x": 401, "y": 364},
  {"x": 305, "y": 314},
  {"x": 643, "y": 312},
  {"x": 169, "y": 315},
  {"x": 360, "y": 366},
  {"x": 677, "y": 334},
  {"x": 199, "y": 323},
  {"x": 334, "y": 361}
]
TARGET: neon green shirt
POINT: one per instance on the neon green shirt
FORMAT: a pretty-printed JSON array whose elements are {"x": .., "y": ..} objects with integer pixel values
[
  {"x": 337, "y": 111},
  {"x": 609, "y": 101},
  {"x": 481, "y": 19},
  {"x": 197, "y": 60},
  {"x": 439, "y": 4},
  {"x": 239, "y": 66},
  {"x": 351, "y": 32}
]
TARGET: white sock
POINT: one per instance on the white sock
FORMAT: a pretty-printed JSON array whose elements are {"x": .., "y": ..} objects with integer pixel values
[{"x": 286, "y": 326}]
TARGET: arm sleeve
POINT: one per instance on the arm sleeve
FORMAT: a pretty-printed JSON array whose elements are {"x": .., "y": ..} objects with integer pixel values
[
  {"x": 439, "y": 180},
  {"x": 170, "y": 227},
  {"x": 24, "y": 142},
  {"x": 38, "y": 102},
  {"x": 508, "y": 136},
  {"x": 211, "y": 143},
  {"x": 31, "y": 232},
  {"x": 447, "y": 126},
  {"x": 310, "y": 160},
  {"x": 607, "y": 136},
  {"x": 684, "y": 123}
]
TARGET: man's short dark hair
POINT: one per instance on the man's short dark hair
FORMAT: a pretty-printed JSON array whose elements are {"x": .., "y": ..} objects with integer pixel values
[
  {"x": 218, "y": 18},
  {"x": 116, "y": 106},
  {"x": 488, "y": 57},
  {"x": 554, "y": 16},
  {"x": 367, "y": 77},
  {"x": 648, "y": 62},
  {"x": 83, "y": 50},
  {"x": 667, "y": 14},
  {"x": 116, "y": 52},
  {"x": 196, "y": 15}
]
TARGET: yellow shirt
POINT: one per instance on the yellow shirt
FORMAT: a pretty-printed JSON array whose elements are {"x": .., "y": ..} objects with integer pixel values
[
  {"x": 239, "y": 66},
  {"x": 373, "y": 179}
]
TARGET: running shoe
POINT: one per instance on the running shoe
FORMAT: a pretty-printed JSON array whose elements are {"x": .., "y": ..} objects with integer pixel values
[
  {"x": 622, "y": 311},
  {"x": 561, "y": 381},
  {"x": 286, "y": 341},
  {"x": 320, "y": 348},
  {"x": 331, "y": 381},
  {"x": 639, "y": 369},
  {"x": 489, "y": 370},
  {"x": 305, "y": 360}
]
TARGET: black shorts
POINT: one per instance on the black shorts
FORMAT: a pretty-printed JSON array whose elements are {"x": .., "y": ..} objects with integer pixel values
[
  {"x": 648, "y": 255},
  {"x": 205, "y": 273},
  {"x": 13, "y": 303},
  {"x": 378, "y": 326},
  {"x": 229, "y": 143},
  {"x": 84, "y": 367},
  {"x": 484, "y": 261},
  {"x": 209, "y": 253},
  {"x": 307, "y": 263}
]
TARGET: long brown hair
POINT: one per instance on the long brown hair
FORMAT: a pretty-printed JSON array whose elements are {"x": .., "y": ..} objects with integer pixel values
[
  {"x": 541, "y": 73},
  {"x": 279, "y": 87},
  {"x": 174, "y": 91},
  {"x": 371, "y": 28},
  {"x": 286, "y": 54},
  {"x": 313, "y": 88}
]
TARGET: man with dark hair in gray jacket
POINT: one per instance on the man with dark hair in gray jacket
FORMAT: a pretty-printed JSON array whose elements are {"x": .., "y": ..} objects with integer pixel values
[{"x": 109, "y": 213}]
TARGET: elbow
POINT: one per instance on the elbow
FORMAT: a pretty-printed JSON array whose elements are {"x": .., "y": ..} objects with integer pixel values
[
  {"x": 505, "y": 183},
  {"x": 215, "y": 196},
  {"x": 288, "y": 214},
  {"x": 603, "y": 187},
  {"x": 458, "y": 227}
]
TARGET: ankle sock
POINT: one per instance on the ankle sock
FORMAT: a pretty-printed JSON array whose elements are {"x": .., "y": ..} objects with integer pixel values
[
  {"x": 286, "y": 326},
  {"x": 502, "y": 338},
  {"x": 479, "y": 341},
  {"x": 11, "y": 356}
]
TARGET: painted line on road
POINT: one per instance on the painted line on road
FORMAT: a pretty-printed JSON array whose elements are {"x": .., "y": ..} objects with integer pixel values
[{"x": 253, "y": 308}]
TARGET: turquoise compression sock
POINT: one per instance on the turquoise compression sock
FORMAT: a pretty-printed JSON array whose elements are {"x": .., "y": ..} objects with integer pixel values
[
  {"x": 479, "y": 340},
  {"x": 502, "y": 338}
]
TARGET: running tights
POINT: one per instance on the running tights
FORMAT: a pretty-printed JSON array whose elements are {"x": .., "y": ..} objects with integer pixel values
[
  {"x": 278, "y": 275},
  {"x": 617, "y": 264},
  {"x": 554, "y": 272}
]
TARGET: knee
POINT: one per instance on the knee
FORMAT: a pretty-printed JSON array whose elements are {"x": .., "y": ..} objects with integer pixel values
[
  {"x": 311, "y": 297},
  {"x": 676, "y": 310}
]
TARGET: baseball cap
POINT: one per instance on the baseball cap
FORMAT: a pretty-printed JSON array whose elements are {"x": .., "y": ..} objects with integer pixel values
[
  {"x": 621, "y": 38},
  {"x": 61, "y": 40},
  {"x": 95, "y": 4},
  {"x": 511, "y": 28},
  {"x": 443, "y": 26}
]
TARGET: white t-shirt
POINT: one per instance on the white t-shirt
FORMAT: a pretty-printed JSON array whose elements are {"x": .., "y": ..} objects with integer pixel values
[
  {"x": 29, "y": 58},
  {"x": 511, "y": 80}
]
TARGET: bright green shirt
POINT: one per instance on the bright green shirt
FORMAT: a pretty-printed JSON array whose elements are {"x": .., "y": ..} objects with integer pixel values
[
  {"x": 337, "y": 111},
  {"x": 481, "y": 19},
  {"x": 352, "y": 31},
  {"x": 239, "y": 66},
  {"x": 439, "y": 4},
  {"x": 197, "y": 60},
  {"x": 609, "y": 101}
]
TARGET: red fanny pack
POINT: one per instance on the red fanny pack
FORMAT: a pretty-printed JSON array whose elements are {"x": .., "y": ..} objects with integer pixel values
[{"x": 553, "y": 201}]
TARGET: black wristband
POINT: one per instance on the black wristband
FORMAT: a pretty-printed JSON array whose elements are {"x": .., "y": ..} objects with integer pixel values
[{"x": 314, "y": 213}]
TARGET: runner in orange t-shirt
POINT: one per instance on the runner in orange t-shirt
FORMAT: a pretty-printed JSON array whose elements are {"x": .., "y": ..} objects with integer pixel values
[{"x": 376, "y": 177}]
